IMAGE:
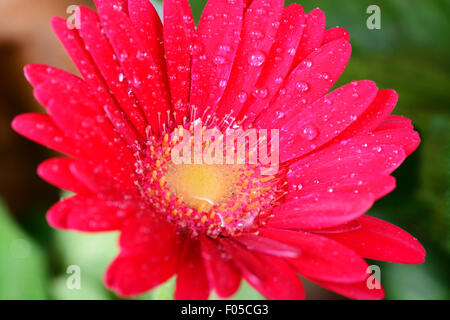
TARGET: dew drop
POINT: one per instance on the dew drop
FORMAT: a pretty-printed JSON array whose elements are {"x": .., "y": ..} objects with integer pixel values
[
  {"x": 256, "y": 35},
  {"x": 309, "y": 132},
  {"x": 219, "y": 60},
  {"x": 260, "y": 93},
  {"x": 242, "y": 96},
  {"x": 256, "y": 59},
  {"x": 302, "y": 86}
]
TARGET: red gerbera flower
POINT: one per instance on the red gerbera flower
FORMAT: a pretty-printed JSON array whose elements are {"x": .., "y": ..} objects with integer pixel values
[{"x": 249, "y": 64}]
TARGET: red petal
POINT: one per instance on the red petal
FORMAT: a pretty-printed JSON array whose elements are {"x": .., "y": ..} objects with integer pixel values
[
  {"x": 279, "y": 61},
  {"x": 192, "y": 283},
  {"x": 358, "y": 291},
  {"x": 146, "y": 19},
  {"x": 395, "y": 122},
  {"x": 334, "y": 34},
  {"x": 218, "y": 36},
  {"x": 78, "y": 116},
  {"x": 313, "y": 35},
  {"x": 321, "y": 258},
  {"x": 179, "y": 30},
  {"x": 306, "y": 83},
  {"x": 41, "y": 129},
  {"x": 380, "y": 240},
  {"x": 90, "y": 214},
  {"x": 261, "y": 21},
  {"x": 325, "y": 119},
  {"x": 268, "y": 246},
  {"x": 103, "y": 55},
  {"x": 94, "y": 80},
  {"x": 149, "y": 231},
  {"x": 131, "y": 274},
  {"x": 320, "y": 210},
  {"x": 223, "y": 276},
  {"x": 56, "y": 171},
  {"x": 376, "y": 185},
  {"x": 150, "y": 247},
  {"x": 408, "y": 139},
  {"x": 359, "y": 155},
  {"x": 379, "y": 110},
  {"x": 138, "y": 65},
  {"x": 120, "y": 5},
  {"x": 273, "y": 278},
  {"x": 96, "y": 177}
]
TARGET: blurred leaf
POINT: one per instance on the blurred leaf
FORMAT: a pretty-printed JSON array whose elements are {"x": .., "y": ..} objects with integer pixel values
[
  {"x": 163, "y": 292},
  {"x": 90, "y": 289},
  {"x": 92, "y": 253},
  {"x": 427, "y": 281},
  {"x": 245, "y": 292},
  {"x": 22, "y": 267}
]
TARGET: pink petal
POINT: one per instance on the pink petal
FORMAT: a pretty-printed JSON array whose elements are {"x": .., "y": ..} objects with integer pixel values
[
  {"x": 223, "y": 276},
  {"x": 311, "y": 80},
  {"x": 192, "y": 283},
  {"x": 150, "y": 247},
  {"x": 334, "y": 34},
  {"x": 214, "y": 50},
  {"x": 42, "y": 129},
  {"x": 94, "y": 80},
  {"x": 149, "y": 231},
  {"x": 103, "y": 55},
  {"x": 349, "y": 158},
  {"x": 395, "y": 122},
  {"x": 321, "y": 258},
  {"x": 271, "y": 276},
  {"x": 131, "y": 274},
  {"x": 325, "y": 119},
  {"x": 147, "y": 21},
  {"x": 358, "y": 290},
  {"x": 179, "y": 31},
  {"x": 375, "y": 185},
  {"x": 408, "y": 139},
  {"x": 321, "y": 210},
  {"x": 279, "y": 61},
  {"x": 313, "y": 35},
  {"x": 380, "y": 240},
  {"x": 56, "y": 171},
  {"x": 120, "y": 5},
  {"x": 89, "y": 213},
  {"x": 268, "y": 246},
  {"x": 78, "y": 116},
  {"x": 96, "y": 177},
  {"x": 261, "y": 21},
  {"x": 379, "y": 110},
  {"x": 139, "y": 67}
]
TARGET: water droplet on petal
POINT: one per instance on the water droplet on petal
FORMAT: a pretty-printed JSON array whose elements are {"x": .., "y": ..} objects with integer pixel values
[
  {"x": 307, "y": 63},
  {"x": 256, "y": 59},
  {"x": 257, "y": 35},
  {"x": 309, "y": 132},
  {"x": 302, "y": 86},
  {"x": 223, "y": 83},
  {"x": 219, "y": 60},
  {"x": 260, "y": 93},
  {"x": 242, "y": 96}
]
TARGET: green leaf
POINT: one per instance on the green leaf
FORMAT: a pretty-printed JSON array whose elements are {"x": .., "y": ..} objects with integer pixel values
[
  {"x": 22, "y": 267},
  {"x": 92, "y": 253}
]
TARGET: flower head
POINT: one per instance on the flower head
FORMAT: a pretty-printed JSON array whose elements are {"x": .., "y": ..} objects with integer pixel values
[{"x": 149, "y": 90}]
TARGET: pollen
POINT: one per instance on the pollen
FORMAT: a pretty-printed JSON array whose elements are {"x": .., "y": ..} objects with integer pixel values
[{"x": 212, "y": 199}]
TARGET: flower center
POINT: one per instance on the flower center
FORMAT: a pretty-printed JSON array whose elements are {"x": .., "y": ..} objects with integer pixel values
[
  {"x": 202, "y": 186},
  {"x": 213, "y": 199}
]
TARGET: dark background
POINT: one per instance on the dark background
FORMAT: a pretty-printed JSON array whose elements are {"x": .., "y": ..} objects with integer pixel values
[{"x": 409, "y": 54}]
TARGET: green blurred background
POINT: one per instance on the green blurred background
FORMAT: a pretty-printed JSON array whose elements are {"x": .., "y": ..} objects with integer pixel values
[{"x": 409, "y": 54}]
